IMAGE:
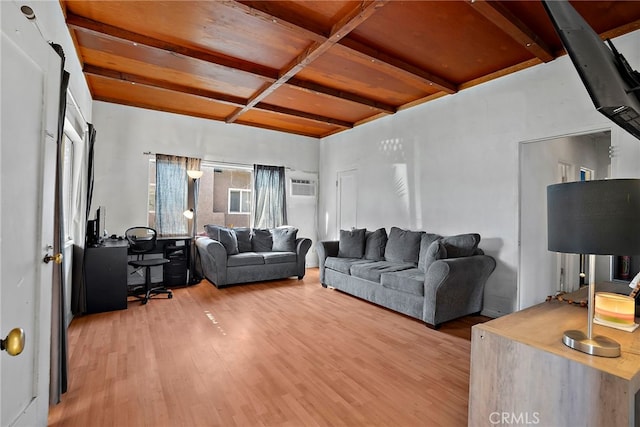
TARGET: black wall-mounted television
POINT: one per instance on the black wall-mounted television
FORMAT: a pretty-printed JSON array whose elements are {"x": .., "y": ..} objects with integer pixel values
[{"x": 614, "y": 87}]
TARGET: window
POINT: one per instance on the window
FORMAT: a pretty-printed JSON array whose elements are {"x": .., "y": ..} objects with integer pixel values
[
  {"x": 224, "y": 195},
  {"x": 239, "y": 201},
  {"x": 215, "y": 198}
]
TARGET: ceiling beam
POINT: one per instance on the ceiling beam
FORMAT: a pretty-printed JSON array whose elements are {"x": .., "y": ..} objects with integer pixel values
[
  {"x": 343, "y": 27},
  {"x": 394, "y": 63},
  {"x": 79, "y": 23},
  {"x": 210, "y": 95},
  {"x": 502, "y": 18}
]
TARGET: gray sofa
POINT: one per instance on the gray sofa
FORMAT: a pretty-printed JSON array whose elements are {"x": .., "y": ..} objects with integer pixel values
[
  {"x": 242, "y": 255},
  {"x": 423, "y": 275}
]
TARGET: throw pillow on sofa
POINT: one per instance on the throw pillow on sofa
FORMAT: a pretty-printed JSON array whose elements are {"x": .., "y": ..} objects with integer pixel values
[
  {"x": 351, "y": 244},
  {"x": 427, "y": 253},
  {"x": 461, "y": 245},
  {"x": 224, "y": 235},
  {"x": 243, "y": 234},
  {"x": 434, "y": 252},
  {"x": 403, "y": 245},
  {"x": 375, "y": 242},
  {"x": 284, "y": 239},
  {"x": 262, "y": 240}
]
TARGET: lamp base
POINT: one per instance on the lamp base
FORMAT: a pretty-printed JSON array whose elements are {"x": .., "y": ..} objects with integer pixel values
[{"x": 596, "y": 346}]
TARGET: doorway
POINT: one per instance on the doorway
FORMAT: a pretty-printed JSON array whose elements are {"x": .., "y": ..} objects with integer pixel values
[{"x": 564, "y": 159}]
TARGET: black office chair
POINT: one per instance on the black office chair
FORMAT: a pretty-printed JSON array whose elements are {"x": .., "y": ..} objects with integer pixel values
[{"x": 142, "y": 240}]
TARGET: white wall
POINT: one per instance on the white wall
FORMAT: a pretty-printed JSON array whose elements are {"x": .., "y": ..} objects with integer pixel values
[
  {"x": 460, "y": 154},
  {"x": 121, "y": 169}
]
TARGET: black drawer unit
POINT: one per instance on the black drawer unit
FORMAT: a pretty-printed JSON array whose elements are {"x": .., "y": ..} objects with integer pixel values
[{"x": 175, "y": 272}]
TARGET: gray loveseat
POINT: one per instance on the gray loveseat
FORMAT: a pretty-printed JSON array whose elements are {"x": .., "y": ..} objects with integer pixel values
[
  {"x": 241, "y": 255},
  {"x": 423, "y": 275}
]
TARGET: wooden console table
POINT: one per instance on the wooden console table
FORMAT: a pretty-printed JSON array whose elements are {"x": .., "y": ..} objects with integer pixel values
[{"x": 522, "y": 373}]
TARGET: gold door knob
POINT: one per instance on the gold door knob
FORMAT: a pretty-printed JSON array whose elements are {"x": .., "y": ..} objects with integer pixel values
[
  {"x": 14, "y": 342},
  {"x": 57, "y": 258}
]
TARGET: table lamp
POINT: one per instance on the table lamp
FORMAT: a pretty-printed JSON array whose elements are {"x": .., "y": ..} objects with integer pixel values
[{"x": 600, "y": 217}]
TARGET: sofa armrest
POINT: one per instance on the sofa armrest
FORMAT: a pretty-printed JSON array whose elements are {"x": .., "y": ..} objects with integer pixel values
[
  {"x": 213, "y": 258},
  {"x": 325, "y": 248},
  {"x": 454, "y": 287},
  {"x": 302, "y": 247}
]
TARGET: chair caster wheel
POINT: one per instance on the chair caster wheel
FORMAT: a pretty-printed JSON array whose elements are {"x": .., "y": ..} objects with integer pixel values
[
  {"x": 170, "y": 296},
  {"x": 144, "y": 301}
]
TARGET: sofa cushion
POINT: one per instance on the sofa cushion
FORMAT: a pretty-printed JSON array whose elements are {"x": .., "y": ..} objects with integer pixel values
[
  {"x": 372, "y": 270},
  {"x": 410, "y": 281},
  {"x": 245, "y": 258},
  {"x": 279, "y": 257},
  {"x": 224, "y": 235},
  {"x": 434, "y": 252},
  {"x": 243, "y": 234},
  {"x": 403, "y": 245},
  {"x": 261, "y": 241},
  {"x": 351, "y": 244},
  {"x": 461, "y": 245},
  {"x": 426, "y": 241},
  {"x": 284, "y": 239},
  {"x": 374, "y": 244},
  {"x": 343, "y": 265}
]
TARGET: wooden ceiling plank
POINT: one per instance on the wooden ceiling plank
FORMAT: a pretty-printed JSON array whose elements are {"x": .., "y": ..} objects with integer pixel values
[
  {"x": 83, "y": 24},
  {"x": 283, "y": 23},
  {"x": 619, "y": 31},
  {"x": 501, "y": 73},
  {"x": 315, "y": 117},
  {"x": 502, "y": 18},
  {"x": 162, "y": 84},
  {"x": 151, "y": 106},
  {"x": 343, "y": 27},
  {"x": 80, "y": 23},
  {"x": 213, "y": 96},
  {"x": 397, "y": 64},
  {"x": 354, "y": 18},
  {"x": 336, "y": 93}
]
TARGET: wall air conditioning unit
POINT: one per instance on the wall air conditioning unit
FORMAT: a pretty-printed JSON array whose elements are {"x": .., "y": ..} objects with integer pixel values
[{"x": 303, "y": 187}]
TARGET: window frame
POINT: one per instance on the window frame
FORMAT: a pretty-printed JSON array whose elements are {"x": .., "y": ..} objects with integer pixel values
[{"x": 242, "y": 191}]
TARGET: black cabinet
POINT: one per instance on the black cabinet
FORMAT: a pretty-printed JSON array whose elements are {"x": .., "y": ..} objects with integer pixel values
[
  {"x": 105, "y": 276},
  {"x": 175, "y": 272}
]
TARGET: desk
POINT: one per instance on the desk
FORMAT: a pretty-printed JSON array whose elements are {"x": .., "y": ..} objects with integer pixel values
[
  {"x": 106, "y": 271},
  {"x": 177, "y": 250},
  {"x": 105, "y": 276},
  {"x": 521, "y": 371}
]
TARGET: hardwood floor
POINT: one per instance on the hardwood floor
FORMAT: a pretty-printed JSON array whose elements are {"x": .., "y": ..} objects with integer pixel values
[{"x": 282, "y": 353}]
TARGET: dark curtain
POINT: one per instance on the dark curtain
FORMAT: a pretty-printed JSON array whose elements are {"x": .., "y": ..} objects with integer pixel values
[
  {"x": 58, "y": 373},
  {"x": 90, "y": 173},
  {"x": 269, "y": 207}
]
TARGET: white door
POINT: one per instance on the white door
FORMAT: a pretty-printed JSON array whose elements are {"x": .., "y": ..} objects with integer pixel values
[
  {"x": 347, "y": 200},
  {"x": 30, "y": 91}
]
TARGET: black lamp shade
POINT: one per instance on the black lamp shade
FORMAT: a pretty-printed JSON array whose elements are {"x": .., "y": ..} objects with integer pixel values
[{"x": 600, "y": 217}]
